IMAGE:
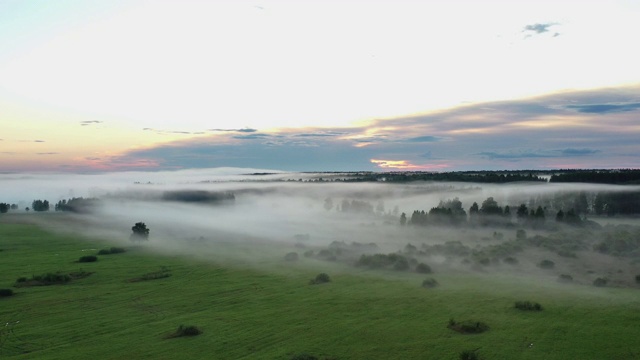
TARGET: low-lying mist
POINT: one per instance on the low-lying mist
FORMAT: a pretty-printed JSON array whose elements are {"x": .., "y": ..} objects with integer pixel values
[{"x": 267, "y": 214}]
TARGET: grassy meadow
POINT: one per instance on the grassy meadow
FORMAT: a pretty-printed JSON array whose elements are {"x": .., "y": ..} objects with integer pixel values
[{"x": 268, "y": 309}]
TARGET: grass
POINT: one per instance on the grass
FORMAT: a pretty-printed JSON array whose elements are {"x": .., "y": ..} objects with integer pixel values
[{"x": 270, "y": 312}]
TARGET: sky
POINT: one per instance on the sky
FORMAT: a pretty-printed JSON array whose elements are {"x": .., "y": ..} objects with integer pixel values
[{"x": 108, "y": 86}]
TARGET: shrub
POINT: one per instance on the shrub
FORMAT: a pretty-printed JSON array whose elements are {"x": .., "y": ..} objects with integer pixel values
[
  {"x": 401, "y": 264},
  {"x": 52, "y": 278},
  {"x": 468, "y": 327},
  {"x": 638, "y": 279},
  {"x": 469, "y": 355},
  {"x": 510, "y": 260},
  {"x": 600, "y": 282},
  {"x": 160, "y": 274},
  {"x": 423, "y": 268},
  {"x": 429, "y": 283},
  {"x": 304, "y": 356},
  {"x": 88, "y": 258},
  {"x": 308, "y": 253},
  {"x": 565, "y": 278},
  {"x": 567, "y": 253},
  {"x": 320, "y": 279},
  {"x": 113, "y": 250},
  {"x": 6, "y": 292},
  {"x": 292, "y": 256},
  {"x": 546, "y": 264},
  {"x": 528, "y": 306},
  {"x": 185, "y": 331},
  {"x": 49, "y": 279}
]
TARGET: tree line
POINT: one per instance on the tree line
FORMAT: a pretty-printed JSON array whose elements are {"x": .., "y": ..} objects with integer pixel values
[
  {"x": 623, "y": 176},
  {"x": 489, "y": 213}
]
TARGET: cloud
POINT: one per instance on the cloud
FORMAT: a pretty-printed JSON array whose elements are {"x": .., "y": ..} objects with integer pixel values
[
  {"x": 282, "y": 152},
  {"x": 394, "y": 164},
  {"x": 162, "y": 132},
  {"x": 321, "y": 134},
  {"x": 537, "y": 132},
  {"x": 605, "y": 108},
  {"x": 528, "y": 154},
  {"x": 578, "y": 152},
  {"x": 244, "y": 130},
  {"x": 512, "y": 155},
  {"x": 426, "y": 138},
  {"x": 252, "y": 136},
  {"x": 538, "y": 28},
  {"x": 47, "y": 153},
  {"x": 90, "y": 122}
]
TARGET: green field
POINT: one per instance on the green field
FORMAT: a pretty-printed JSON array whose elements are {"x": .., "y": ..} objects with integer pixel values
[{"x": 268, "y": 310}]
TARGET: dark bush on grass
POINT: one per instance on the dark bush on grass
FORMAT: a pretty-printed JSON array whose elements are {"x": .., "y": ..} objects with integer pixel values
[
  {"x": 510, "y": 260},
  {"x": 638, "y": 279},
  {"x": 304, "y": 356},
  {"x": 88, "y": 258},
  {"x": 423, "y": 268},
  {"x": 164, "y": 272},
  {"x": 528, "y": 306},
  {"x": 6, "y": 292},
  {"x": 429, "y": 283},
  {"x": 189, "y": 330},
  {"x": 468, "y": 327},
  {"x": 43, "y": 280},
  {"x": 52, "y": 278},
  {"x": 401, "y": 264},
  {"x": 600, "y": 282},
  {"x": 546, "y": 264},
  {"x": 469, "y": 355},
  {"x": 292, "y": 256},
  {"x": 565, "y": 278},
  {"x": 113, "y": 250},
  {"x": 320, "y": 279}
]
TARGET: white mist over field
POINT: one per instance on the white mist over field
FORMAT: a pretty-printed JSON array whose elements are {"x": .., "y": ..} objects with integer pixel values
[{"x": 277, "y": 212}]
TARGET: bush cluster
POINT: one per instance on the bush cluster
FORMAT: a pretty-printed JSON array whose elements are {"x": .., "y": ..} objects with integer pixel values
[
  {"x": 546, "y": 264},
  {"x": 113, "y": 250},
  {"x": 88, "y": 258},
  {"x": 528, "y": 306},
  {"x": 304, "y": 356},
  {"x": 423, "y": 268},
  {"x": 468, "y": 327},
  {"x": 565, "y": 278},
  {"x": 160, "y": 274},
  {"x": 393, "y": 261},
  {"x": 469, "y": 355},
  {"x": 6, "y": 292},
  {"x": 429, "y": 283},
  {"x": 600, "y": 282},
  {"x": 189, "y": 330},
  {"x": 292, "y": 256},
  {"x": 320, "y": 279},
  {"x": 44, "y": 279}
]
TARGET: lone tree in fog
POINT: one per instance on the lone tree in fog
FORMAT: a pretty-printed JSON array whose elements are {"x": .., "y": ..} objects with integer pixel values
[{"x": 140, "y": 232}]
